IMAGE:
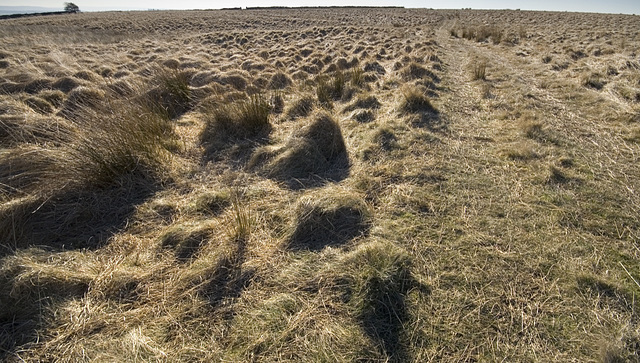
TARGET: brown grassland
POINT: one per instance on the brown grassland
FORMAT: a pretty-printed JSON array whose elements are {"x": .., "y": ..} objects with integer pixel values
[{"x": 320, "y": 185}]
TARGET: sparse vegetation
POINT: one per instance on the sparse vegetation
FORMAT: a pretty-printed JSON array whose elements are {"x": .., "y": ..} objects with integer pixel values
[
  {"x": 480, "y": 33},
  {"x": 311, "y": 185},
  {"x": 479, "y": 71}
]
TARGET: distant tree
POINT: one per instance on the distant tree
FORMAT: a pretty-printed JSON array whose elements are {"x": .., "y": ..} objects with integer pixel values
[{"x": 71, "y": 8}]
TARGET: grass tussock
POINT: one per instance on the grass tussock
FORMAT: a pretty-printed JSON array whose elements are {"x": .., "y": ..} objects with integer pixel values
[
  {"x": 315, "y": 151},
  {"x": 480, "y": 33},
  {"x": 241, "y": 119},
  {"x": 356, "y": 77},
  {"x": 79, "y": 100},
  {"x": 241, "y": 222},
  {"x": 302, "y": 107},
  {"x": 332, "y": 89},
  {"x": 33, "y": 129},
  {"x": 58, "y": 165},
  {"x": 311, "y": 185},
  {"x": 39, "y": 105},
  {"x": 279, "y": 81},
  {"x": 479, "y": 71},
  {"x": 329, "y": 217},
  {"x": 171, "y": 95},
  {"x": 414, "y": 101}
]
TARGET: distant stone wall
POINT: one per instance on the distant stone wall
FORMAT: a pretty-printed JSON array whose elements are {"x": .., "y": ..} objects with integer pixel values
[{"x": 14, "y": 16}]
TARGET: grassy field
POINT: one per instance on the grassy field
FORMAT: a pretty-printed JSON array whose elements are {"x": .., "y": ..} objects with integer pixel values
[{"x": 320, "y": 185}]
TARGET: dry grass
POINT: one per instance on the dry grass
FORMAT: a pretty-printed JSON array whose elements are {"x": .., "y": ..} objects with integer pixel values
[{"x": 449, "y": 185}]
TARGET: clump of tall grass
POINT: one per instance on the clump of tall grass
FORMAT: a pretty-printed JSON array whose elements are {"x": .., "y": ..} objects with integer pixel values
[
  {"x": 109, "y": 139},
  {"x": 323, "y": 93},
  {"x": 171, "y": 95},
  {"x": 116, "y": 144},
  {"x": 241, "y": 222},
  {"x": 414, "y": 100},
  {"x": 329, "y": 90},
  {"x": 279, "y": 81},
  {"x": 80, "y": 99},
  {"x": 39, "y": 105},
  {"x": 356, "y": 77},
  {"x": 245, "y": 118},
  {"x": 479, "y": 70},
  {"x": 481, "y": 33},
  {"x": 111, "y": 144}
]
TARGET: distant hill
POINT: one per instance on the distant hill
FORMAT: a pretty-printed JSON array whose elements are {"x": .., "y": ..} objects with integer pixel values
[{"x": 7, "y": 10}]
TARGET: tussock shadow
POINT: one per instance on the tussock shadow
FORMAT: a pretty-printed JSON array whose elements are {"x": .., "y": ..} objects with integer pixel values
[
  {"x": 376, "y": 283},
  {"x": 228, "y": 278},
  {"x": 233, "y": 150},
  {"x": 297, "y": 170},
  {"x": 319, "y": 225},
  {"x": 185, "y": 244},
  {"x": 68, "y": 220},
  {"x": 312, "y": 156},
  {"x": 384, "y": 319},
  {"x": 73, "y": 218},
  {"x": 27, "y": 304},
  {"x": 431, "y": 120}
]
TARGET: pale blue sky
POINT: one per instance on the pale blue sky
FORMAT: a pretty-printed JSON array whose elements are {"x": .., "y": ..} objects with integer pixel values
[{"x": 612, "y": 6}]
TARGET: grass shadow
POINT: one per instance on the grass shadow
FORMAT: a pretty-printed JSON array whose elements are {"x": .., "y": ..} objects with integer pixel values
[
  {"x": 379, "y": 281},
  {"x": 312, "y": 156},
  {"x": 431, "y": 120},
  {"x": 73, "y": 218}
]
